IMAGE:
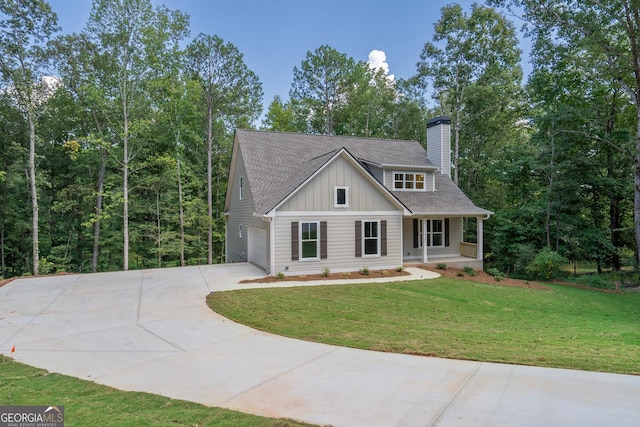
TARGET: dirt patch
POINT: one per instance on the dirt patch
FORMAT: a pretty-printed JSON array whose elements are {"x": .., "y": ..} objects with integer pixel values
[
  {"x": 373, "y": 274},
  {"x": 482, "y": 277}
]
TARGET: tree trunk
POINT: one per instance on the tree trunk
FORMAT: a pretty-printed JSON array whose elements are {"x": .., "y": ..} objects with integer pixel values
[
  {"x": 104, "y": 155},
  {"x": 34, "y": 191},
  {"x": 209, "y": 183},
  {"x": 181, "y": 210},
  {"x": 125, "y": 186},
  {"x": 636, "y": 195},
  {"x": 3, "y": 268},
  {"x": 159, "y": 231}
]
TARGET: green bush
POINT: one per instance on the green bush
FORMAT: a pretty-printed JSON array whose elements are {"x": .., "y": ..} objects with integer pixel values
[
  {"x": 546, "y": 265},
  {"x": 364, "y": 271},
  {"x": 326, "y": 272},
  {"x": 441, "y": 266},
  {"x": 497, "y": 274},
  {"x": 280, "y": 275},
  {"x": 470, "y": 271},
  {"x": 595, "y": 281}
]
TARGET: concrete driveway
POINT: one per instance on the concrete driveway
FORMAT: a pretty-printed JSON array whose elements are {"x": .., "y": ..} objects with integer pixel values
[{"x": 152, "y": 331}]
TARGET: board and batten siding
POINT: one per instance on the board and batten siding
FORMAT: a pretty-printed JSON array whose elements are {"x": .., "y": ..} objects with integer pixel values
[
  {"x": 340, "y": 244},
  {"x": 318, "y": 194},
  {"x": 241, "y": 213}
]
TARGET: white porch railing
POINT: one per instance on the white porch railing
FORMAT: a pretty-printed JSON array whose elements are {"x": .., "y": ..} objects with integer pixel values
[{"x": 469, "y": 250}]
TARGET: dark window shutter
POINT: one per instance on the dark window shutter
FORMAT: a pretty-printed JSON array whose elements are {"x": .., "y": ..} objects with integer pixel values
[
  {"x": 383, "y": 238},
  {"x": 295, "y": 256},
  {"x": 323, "y": 240},
  {"x": 358, "y": 239},
  {"x": 415, "y": 233},
  {"x": 446, "y": 231}
]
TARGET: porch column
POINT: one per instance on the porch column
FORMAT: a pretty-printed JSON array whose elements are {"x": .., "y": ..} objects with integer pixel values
[
  {"x": 480, "y": 239},
  {"x": 425, "y": 257}
]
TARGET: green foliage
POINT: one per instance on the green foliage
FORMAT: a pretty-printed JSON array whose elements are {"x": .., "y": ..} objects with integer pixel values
[
  {"x": 364, "y": 271},
  {"x": 594, "y": 281},
  {"x": 470, "y": 271},
  {"x": 547, "y": 265},
  {"x": 280, "y": 275},
  {"x": 326, "y": 272},
  {"x": 441, "y": 266}
]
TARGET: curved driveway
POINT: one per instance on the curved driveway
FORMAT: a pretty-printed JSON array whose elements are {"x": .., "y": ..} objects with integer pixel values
[{"x": 151, "y": 331}]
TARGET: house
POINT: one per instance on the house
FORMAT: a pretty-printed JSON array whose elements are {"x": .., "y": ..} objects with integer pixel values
[{"x": 299, "y": 203}]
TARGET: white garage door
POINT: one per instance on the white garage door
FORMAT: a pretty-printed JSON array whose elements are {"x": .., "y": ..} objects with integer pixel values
[{"x": 257, "y": 242}]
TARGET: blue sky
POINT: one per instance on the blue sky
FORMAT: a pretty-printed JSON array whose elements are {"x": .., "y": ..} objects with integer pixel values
[{"x": 275, "y": 35}]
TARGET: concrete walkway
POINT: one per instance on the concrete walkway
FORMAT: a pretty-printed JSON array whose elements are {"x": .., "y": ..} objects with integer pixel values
[{"x": 152, "y": 331}]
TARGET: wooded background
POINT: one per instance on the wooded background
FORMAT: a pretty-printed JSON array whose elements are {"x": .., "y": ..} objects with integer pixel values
[{"x": 122, "y": 161}]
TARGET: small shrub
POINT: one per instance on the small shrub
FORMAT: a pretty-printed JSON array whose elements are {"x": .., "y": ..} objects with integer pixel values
[
  {"x": 441, "y": 266},
  {"x": 470, "y": 271},
  {"x": 364, "y": 271},
  {"x": 399, "y": 269},
  {"x": 326, "y": 272},
  {"x": 280, "y": 275},
  {"x": 497, "y": 274},
  {"x": 494, "y": 272},
  {"x": 384, "y": 272},
  {"x": 546, "y": 265},
  {"x": 460, "y": 274}
]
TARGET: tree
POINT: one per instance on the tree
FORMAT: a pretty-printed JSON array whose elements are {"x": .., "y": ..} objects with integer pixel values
[
  {"x": 476, "y": 50},
  {"x": 280, "y": 117},
  {"x": 320, "y": 87},
  {"x": 25, "y": 28},
  {"x": 232, "y": 94},
  {"x": 607, "y": 33},
  {"x": 125, "y": 33}
]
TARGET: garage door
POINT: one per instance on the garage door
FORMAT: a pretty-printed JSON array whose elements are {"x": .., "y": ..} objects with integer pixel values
[{"x": 257, "y": 242}]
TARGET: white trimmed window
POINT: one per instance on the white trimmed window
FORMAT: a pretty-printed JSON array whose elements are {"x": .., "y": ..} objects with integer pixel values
[
  {"x": 309, "y": 240},
  {"x": 435, "y": 232},
  {"x": 341, "y": 197},
  {"x": 371, "y": 238},
  {"x": 412, "y": 181}
]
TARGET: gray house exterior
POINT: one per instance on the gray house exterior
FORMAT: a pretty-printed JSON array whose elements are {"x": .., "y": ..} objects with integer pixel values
[{"x": 299, "y": 203}]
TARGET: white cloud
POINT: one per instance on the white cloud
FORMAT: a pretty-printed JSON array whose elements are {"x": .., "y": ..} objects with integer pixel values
[{"x": 378, "y": 60}]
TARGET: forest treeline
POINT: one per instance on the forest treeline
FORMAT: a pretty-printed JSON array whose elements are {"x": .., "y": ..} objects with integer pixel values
[{"x": 121, "y": 161}]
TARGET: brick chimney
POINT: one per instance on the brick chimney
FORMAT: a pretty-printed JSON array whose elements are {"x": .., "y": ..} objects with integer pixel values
[{"x": 439, "y": 143}]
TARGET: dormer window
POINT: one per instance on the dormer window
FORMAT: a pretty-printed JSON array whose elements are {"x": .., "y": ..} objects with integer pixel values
[{"x": 412, "y": 181}]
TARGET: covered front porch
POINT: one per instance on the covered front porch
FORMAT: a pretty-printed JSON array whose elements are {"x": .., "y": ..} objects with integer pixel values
[{"x": 454, "y": 241}]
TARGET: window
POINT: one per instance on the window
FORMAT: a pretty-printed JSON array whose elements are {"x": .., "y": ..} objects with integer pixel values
[
  {"x": 371, "y": 237},
  {"x": 435, "y": 232},
  {"x": 408, "y": 181},
  {"x": 240, "y": 231},
  {"x": 341, "y": 197},
  {"x": 309, "y": 240},
  {"x": 241, "y": 188}
]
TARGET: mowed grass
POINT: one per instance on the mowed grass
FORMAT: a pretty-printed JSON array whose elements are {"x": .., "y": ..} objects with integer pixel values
[
  {"x": 90, "y": 404},
  {"x": 561, "y": 327}
]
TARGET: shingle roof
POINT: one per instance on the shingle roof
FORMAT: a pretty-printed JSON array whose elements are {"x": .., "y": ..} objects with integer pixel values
[{"x": 277, "y": 163}]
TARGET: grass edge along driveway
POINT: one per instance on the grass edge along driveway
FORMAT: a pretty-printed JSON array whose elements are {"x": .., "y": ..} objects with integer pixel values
[
  {"x": 89, "y": 404},
  {"x": 560, "y": 327}
]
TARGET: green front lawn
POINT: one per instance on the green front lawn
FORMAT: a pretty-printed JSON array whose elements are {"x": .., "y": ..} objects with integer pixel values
[
  {"x": 560, "y": 327},
  {"x": 89, "y": 404}
]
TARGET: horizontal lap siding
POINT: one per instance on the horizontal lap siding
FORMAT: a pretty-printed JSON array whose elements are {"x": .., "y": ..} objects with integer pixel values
[
  {"x": 340, "y": 243},
  {"x": 241, "y": 213}
]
